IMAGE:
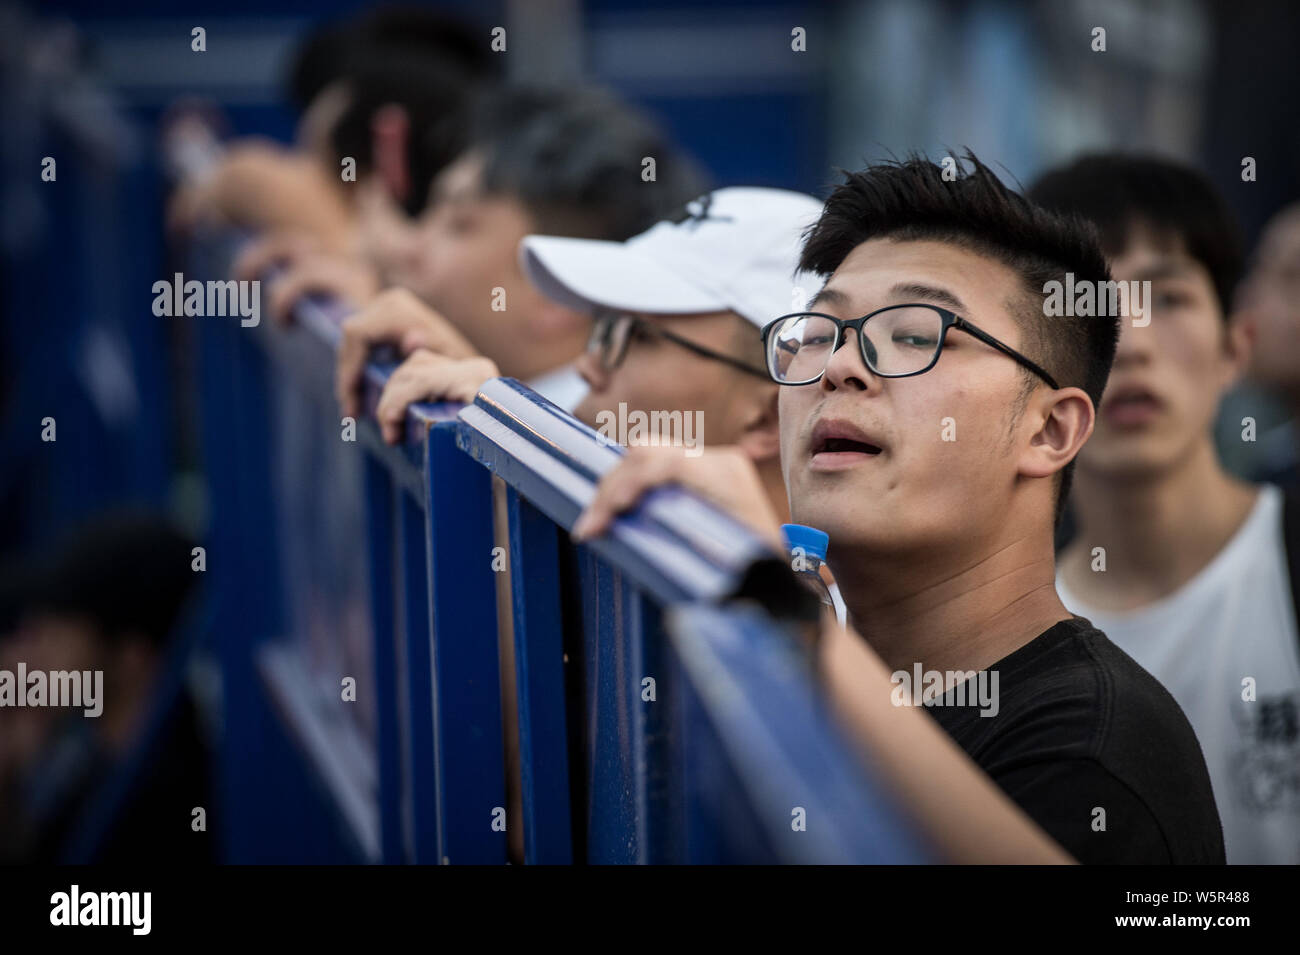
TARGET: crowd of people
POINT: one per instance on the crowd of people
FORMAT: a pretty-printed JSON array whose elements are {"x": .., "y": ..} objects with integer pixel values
[{"x": 880, "y": 364}]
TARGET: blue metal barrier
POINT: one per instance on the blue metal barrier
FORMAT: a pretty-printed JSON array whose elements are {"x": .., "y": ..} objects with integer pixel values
[{"x": 657, "y": 722}]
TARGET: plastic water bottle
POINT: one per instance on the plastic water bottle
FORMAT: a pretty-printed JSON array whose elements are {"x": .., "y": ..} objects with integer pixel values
[{"x": 807, "y": 546}]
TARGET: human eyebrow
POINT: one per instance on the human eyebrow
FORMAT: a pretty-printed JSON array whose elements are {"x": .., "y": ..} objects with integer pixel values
[
  {"x": 829, "y": 296},
  {"x": 929, "y": 294}
]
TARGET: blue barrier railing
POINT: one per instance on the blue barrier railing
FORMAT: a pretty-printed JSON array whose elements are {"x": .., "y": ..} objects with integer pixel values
[{"x": 658, "y": 722}]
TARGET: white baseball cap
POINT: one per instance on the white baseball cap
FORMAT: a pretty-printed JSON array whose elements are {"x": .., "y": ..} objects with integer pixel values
[{"x": 734, "y": 248}]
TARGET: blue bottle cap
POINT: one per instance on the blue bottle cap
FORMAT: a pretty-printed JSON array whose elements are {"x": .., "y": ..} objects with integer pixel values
[{"x": 810, "y": 539}]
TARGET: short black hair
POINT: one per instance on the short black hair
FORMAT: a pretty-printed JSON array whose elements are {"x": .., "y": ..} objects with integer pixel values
[
  {"x": 914, "y": 199},
  {"x": 451, "y": 40},
  {"x": 334, "y": 49},
  {"x": 434, "y": 99},
  {"x": 425, "y": 61},
  {"x": 318, "y": 61},
  {"x": 128, "y": 571},
  {"x": 574, "y": 158},
  {"x": 1120, "y": 191}
]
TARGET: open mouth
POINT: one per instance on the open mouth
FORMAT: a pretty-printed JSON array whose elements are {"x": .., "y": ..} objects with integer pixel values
[
  {"x": 843, "y": 446},
  {"x": 1131, "y": 406},
  {"x": 837, "y": 444}
]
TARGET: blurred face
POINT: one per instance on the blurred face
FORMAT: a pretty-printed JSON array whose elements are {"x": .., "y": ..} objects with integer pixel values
[
  {"x": 54, "y": 641},
  {"x": 466, "y": 261},
  {"x": 386, "y": 235},
  {"x": 1269, "y": 306},
  {"x": 1169, "y": 375},
  {"x": 660, "y": 375},
  {"x": 43, "y": 641},
  {"x": 866, "y": 457}
]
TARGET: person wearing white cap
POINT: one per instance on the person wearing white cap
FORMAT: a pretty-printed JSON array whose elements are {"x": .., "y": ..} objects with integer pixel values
[{"x": 677, "y": 312}]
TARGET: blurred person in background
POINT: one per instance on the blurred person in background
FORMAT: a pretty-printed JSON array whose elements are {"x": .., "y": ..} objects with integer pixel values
[
  {"x": 1268, "y": 308},
  {"x": 109, "y": 599},
  {"x": 382, "y": 104},
  {"x": 1191, "y": 578},
  {"x": 560, "y": 162}
]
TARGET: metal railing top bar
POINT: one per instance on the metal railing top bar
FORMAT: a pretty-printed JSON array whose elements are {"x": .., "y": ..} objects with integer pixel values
[
  {"x": 675, "y": 544},
  {"x": 420, "y": 417},
  {"x": 321, "y": 318}
]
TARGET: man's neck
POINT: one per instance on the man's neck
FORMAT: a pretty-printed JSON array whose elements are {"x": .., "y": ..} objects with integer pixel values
[
  {"x": 1156, "y": 531},
  {"x": 948, "y": 612}
]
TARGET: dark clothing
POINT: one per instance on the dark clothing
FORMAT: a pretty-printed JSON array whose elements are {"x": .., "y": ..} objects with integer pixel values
[
  {"x": 1081, "y": 727},
  {"x": 156, "y": 825},
  {"x": 74, "y": 786}
]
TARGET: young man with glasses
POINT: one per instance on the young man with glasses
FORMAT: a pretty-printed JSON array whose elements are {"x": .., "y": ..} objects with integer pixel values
[
  {"x": 930, "y": 411},
  {"x": 1183, "y": 565}
]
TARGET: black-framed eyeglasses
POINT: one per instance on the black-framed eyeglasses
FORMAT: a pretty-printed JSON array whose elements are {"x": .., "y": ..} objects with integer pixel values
[
  {"x": 612, "y": 332},
  {"x": 904, "y": 340}
]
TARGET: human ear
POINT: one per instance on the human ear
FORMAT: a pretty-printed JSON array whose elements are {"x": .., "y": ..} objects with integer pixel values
[
  {"x": 1238, "y": 343},
  {"x": 1064, "y": 419},
  {"x": 760, "y": 425},
  {"x": 390, "y": 130}
]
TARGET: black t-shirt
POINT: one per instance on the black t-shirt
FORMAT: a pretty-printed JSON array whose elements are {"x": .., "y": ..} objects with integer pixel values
[{"x": 1081, "y": 728}]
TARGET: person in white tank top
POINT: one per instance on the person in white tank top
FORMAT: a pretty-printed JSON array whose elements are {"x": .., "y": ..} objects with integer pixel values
[{"x": 1183, "y": 566}]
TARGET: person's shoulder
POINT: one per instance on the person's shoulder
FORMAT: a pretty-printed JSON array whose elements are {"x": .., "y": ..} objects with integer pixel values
[
  {"x": 1099, "y": 725},
  {"x": 1095, "y": 671},
  {"x": 1071, "y": 662},
  {"x": 1100, "y": 698},
  {"x": 1143, "y": 736}
]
